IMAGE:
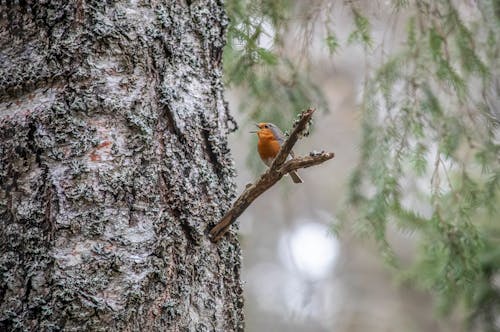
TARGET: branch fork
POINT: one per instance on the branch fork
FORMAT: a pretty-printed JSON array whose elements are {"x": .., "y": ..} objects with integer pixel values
[{"x": 277, "y": 170}]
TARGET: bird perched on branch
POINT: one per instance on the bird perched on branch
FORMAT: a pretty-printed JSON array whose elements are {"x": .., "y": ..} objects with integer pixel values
[{"x": 270, "y": 141}]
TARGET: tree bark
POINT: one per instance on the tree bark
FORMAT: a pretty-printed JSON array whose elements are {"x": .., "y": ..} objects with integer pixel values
[{"x": 113, "y": 167}]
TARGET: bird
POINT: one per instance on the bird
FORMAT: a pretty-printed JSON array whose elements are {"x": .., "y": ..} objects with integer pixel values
[{"x": 271, "y": 139}]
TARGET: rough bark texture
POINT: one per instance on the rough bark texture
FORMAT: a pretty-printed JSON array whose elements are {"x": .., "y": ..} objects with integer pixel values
[{"x": 113, "y": 166}]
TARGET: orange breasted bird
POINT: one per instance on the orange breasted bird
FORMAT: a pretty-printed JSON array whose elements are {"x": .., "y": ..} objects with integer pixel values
[{"x": 270, "y": 141}]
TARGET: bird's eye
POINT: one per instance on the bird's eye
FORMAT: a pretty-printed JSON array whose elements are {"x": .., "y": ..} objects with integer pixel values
[{"x": 266, "y": 126}]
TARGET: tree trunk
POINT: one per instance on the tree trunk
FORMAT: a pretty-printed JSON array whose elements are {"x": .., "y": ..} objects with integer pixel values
[{"x": 113, "y": 167}]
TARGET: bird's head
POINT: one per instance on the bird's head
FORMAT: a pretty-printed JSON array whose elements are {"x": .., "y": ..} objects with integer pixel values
[{"x": 266, "y": 130}]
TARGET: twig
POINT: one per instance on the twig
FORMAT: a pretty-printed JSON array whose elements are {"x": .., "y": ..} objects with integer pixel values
[{"x": 277, "y": 170}]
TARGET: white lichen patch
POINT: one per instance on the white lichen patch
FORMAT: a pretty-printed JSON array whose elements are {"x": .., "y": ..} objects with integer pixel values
[
  {"x": 74, "y": 254},
  {"x": 17, "y": 110}
]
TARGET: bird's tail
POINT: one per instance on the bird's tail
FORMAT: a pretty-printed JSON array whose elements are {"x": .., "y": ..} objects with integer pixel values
[{"x": 295, "y": 177}]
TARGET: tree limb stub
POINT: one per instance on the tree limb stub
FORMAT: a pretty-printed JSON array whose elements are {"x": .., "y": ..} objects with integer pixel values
[{"x": 277, "y": 170}]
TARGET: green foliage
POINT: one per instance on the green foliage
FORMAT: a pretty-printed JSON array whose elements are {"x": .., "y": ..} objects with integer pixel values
[
  {"x": 438, "y": 132},
  {"x": 274, "y": 87},
  {"x": 362, "y": 31},
  {"x": 332, "y": 42}
]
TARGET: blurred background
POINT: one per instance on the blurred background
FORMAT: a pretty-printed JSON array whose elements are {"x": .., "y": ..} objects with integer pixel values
[{"x": 299, "y": 274}]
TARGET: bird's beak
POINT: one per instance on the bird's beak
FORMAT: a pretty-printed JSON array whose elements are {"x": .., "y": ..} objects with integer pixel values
[{"x": 255, "y": 131}]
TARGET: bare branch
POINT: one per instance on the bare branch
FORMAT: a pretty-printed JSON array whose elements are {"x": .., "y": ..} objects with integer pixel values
[
  {"x": 277, "y": 170},
  {"x": 305, "y": 117},
  {"x": 303, "y": 162}
]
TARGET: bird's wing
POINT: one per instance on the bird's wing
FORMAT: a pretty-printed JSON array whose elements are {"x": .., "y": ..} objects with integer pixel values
[
  {"x": 278, "y": 134},
  {"x": 280, "y": 137}
]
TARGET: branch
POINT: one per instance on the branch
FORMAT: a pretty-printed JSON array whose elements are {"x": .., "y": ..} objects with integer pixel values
[
  {"x": 305, "y": 117},
  {"x": 277, "y": 170}
]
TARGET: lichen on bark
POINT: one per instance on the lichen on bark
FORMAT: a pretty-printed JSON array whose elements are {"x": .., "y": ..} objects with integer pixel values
[{"x": 113, "y": 166}]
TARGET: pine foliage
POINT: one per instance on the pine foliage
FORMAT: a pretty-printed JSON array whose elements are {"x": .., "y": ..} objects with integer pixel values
[
  {"x": 428, "y": 123},
  {"x": 273, "y": 86}
]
